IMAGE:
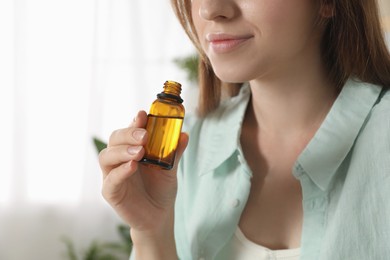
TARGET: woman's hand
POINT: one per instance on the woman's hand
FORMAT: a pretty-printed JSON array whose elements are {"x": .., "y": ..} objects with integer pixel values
[{"x": 143, "y": 196}]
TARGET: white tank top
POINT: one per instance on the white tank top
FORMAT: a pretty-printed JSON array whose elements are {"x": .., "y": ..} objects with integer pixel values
[{"x": 241, "y": 248}]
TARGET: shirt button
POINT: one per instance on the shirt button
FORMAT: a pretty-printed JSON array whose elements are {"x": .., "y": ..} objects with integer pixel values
[{"x": 235, "y": 203}]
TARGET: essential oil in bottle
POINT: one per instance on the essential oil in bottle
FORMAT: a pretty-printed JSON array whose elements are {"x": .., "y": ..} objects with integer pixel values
[{"x": 164, "y": 124}]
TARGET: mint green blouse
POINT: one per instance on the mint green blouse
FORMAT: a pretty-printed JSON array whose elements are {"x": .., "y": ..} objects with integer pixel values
[{"x": 344, "y": 173}]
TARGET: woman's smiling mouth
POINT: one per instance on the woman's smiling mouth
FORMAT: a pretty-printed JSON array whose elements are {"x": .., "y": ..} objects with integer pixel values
[{"x": 223, "y": 43}]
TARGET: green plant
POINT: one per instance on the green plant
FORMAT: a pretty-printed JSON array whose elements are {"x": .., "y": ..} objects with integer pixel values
[
  {"x": 190, "y": 65},
  {"x": 102, "y": 250},
  {"x": 99, "y": 144}
]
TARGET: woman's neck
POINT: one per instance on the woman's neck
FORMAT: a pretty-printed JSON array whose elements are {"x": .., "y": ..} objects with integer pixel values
[{"x": 290, "y": 105}]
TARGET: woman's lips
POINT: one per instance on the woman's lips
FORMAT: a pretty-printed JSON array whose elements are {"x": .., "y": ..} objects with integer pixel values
[{"x": 224, "y": 43}]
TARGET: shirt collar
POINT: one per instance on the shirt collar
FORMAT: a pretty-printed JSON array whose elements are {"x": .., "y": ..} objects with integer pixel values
[
  {"x": 334, "y": 139},
  {"x": 324, "y": 153},
  {"x": 221, "y": 131}
]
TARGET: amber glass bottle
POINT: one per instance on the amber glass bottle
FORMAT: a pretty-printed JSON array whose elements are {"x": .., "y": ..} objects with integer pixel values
[{"x": 164, "y": 124}]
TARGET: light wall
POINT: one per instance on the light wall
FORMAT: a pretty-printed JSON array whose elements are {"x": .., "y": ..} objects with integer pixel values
[{"x": 385, "y": 10}]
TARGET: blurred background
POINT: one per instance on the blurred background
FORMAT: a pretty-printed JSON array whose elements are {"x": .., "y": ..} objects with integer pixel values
[{"x": 70, "y": 71}]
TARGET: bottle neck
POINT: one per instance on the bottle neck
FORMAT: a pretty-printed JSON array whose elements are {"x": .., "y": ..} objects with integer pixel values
[
  {"x": 172, "y": 91},
  {"x": 164, "y": 95}
]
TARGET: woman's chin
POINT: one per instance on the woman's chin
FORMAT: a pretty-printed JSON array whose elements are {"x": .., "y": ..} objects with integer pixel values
[{"x": 231, "y": 77}]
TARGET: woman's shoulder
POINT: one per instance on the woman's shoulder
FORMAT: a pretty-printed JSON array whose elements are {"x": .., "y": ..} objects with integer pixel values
[
  {"x": 383, "y": 103},
  {"x": 373, "y": 142},
  {"x": 379, "y": 114},
  {"x": 379, "y": 118}
]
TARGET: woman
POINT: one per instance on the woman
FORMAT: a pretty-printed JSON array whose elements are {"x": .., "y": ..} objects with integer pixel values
[{"x": 294, "y": 164}]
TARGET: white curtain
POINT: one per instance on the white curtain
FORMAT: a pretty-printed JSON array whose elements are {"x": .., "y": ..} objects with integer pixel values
[{"x": 71, "y": 70}]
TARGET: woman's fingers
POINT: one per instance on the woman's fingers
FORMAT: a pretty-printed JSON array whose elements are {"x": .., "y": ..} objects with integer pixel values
[
  {"x": 131, "y": 136},
  {"x": 125, "y": 144},
  {"x": 140, "y": 120},
  {"x": 116, "y": 179},
  {"x": 115, "y": 155},
  {"x": 135, "y": 134}
]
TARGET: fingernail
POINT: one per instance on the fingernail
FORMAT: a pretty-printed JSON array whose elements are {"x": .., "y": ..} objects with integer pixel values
[
  {"x": 134, "y": 149},
  {"x": 139, "y": 134}
]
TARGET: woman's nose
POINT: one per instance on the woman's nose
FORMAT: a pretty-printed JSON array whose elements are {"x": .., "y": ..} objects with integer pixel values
[{"x": 216, "y": 9}]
